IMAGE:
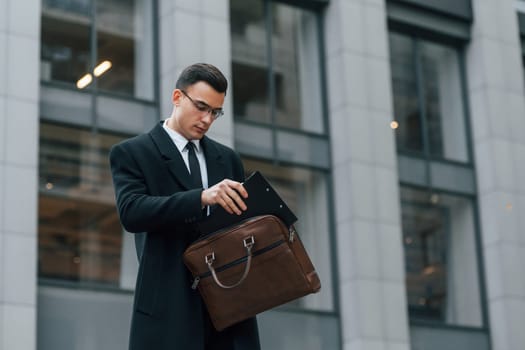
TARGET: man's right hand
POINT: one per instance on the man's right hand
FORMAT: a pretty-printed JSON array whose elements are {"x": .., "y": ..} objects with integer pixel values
[{"x": 228, "y": 194}]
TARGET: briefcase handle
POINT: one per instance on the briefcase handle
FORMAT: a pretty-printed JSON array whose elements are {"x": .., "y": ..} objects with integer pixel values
[{"x": 210, "y": 258}]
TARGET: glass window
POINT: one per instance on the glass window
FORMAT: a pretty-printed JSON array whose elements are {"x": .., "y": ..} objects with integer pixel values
[
  {"x": 251, "y": 99},
  {"x": 65, "y": 44},
  {"x": 428, "y": 98},
  {"x": 121, "y": 62},
  {"x": 305, "y": 192},
  {"x": 278, "y": 83},
  {"x": 80, "y": 236},
  {"x": 442, "y": 278}
]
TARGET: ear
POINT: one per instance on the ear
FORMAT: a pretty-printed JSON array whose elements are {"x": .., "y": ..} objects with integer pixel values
[{"x": 176, "y": 97}]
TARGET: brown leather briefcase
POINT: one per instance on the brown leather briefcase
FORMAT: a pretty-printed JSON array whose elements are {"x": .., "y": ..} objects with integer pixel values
[{"x": 250, "y": 267}]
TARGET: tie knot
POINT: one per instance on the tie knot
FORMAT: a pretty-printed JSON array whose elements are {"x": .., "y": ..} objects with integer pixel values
[{"x": 190, "y": 146}]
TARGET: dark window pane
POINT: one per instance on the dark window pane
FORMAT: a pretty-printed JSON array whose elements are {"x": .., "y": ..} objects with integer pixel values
[
  {"x": 65, "y": 44},
  {"x": 296, "y": 68},
  {"x": 249, "y": 61},
  {"x": 443, "y": 102},
  {"x": 440, "y": 258},
  {"x": 80, "y": 236},
  {"x": 295, "y": 65},
  {"x": 125, "y": 40},
  {"x": 404, "y": 85}
]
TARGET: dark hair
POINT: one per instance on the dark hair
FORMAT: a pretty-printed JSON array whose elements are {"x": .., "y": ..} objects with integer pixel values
[{"x": 202, "y": 72}]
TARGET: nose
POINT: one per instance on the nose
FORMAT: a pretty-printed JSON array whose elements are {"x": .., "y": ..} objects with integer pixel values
[{"x": 207, "y": 117}]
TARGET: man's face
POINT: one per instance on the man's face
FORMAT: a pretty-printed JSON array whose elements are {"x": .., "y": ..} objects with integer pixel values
[{"x": 188, "y": 120}]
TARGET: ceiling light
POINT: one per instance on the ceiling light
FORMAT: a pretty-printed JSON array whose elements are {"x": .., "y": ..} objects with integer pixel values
[
  {"x": 102, "y": 68},
  {"x": 84, "y": 81}
]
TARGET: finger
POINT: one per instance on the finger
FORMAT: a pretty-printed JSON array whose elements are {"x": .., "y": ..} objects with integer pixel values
[
  {"x": 224, "y": 205},
  {"x": 241, "y": 190},
  {"x": 234, "y": 195},
  {"x": 229, "y": 198}
]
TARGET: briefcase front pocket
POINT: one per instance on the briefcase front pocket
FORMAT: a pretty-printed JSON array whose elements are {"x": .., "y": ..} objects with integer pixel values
[{"x": 250, "y": 268}]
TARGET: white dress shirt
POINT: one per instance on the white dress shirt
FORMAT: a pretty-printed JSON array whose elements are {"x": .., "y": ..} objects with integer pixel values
[{"x": 180, "y": 142}]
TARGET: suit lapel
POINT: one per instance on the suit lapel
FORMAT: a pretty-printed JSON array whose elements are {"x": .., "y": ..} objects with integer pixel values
[
  {"x": 172, "y": 157},
  {"x": 214, "y": 161}
]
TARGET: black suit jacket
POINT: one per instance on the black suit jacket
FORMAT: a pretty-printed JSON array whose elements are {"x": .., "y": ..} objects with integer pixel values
[{"x": 155, "y": 200}]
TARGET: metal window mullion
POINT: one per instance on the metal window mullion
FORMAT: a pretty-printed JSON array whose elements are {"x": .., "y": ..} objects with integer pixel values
[
  {"x": 271, "y": 81},
  {"x": 422, "y": 111},
  {"x": 94, "y": 53}
]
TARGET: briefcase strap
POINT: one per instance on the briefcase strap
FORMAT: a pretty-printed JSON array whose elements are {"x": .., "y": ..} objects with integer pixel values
[{"x": 210, "y": 258}]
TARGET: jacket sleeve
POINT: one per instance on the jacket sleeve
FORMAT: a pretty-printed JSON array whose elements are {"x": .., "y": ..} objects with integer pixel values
[{"x": 138, "y": 210}]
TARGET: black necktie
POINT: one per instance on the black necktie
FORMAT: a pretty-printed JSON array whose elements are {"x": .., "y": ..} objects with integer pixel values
[{"x": 195, "y": 169}]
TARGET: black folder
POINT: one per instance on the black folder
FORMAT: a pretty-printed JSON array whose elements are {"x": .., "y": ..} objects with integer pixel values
[{"x": 262, "y": 200}]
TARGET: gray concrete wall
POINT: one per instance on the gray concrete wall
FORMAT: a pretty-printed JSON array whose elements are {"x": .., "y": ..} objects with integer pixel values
[
  {"x": 19, "y": 88},
  {"x": 371, "y": 278},
  {"x": 194, "y": 31},
  {"x": 497, "y": 104}
]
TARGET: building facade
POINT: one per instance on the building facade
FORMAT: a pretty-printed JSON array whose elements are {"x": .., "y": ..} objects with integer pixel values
[{"x": 392, "y": 128}]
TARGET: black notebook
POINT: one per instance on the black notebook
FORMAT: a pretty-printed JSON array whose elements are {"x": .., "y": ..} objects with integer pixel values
[{"x": 262, "y": 200}]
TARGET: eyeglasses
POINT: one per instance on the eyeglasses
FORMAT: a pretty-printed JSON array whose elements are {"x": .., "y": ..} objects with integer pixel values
[{"x": 203, "y": 107}]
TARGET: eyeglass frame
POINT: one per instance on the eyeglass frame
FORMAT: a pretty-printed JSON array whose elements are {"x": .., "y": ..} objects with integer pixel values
[{"x": 204, "y": 107}]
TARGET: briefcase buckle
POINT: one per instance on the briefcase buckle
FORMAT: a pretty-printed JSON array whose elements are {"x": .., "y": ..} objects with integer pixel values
[
  {"x": 249, "y": 242},
  {"x": 210, "y": 258}
]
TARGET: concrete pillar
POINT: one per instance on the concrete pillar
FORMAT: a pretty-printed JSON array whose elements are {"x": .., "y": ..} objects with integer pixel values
[
  {"x": 371, "y": 278},
  {"x": 194, "y": 31},
  {"x": 497, "y": 109},
  {"x": 19, "y": 89}
]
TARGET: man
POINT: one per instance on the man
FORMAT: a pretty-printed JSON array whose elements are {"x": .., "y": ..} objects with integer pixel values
[{"x": 165, "y": 181}]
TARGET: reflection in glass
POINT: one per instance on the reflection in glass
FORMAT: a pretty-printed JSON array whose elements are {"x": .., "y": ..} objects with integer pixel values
[
  {"x": 443, "y": 102},
  {"x": 80, "y": 236},
  {"x": 296, "y": 65},
  {"x": 124, "y": 38},
  {"x": 124, "y": 45},
  {"x": 426, "y": 84},
  {"x": 440, "y": 258},
  {"x": 65, "y": 42},
  {"x": 404, "y": 86},
  {"x": 250, "y": 64},
  {"x": 305, "y": 192}
]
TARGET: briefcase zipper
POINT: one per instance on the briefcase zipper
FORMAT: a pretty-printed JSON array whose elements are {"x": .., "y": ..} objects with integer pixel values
[{"x": 197, "y": 279}]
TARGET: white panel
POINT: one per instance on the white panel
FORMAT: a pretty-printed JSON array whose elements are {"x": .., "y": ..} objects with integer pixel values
[
  {"x": 24, "y": 18},
  {"x": 384, "y": 144},
  {"x": 3, "y": 123},
  {"x": 395, "y": 318},
  {"x": 387, "y": 198},
  {"x": 378, "y": 83},
  {"x": 336, "y": 85},
  {"x": 216, "y": 8},
  {"x": 370, "y": 307},
  {"x": 18, "y": 327},
  {"x": 364, "y": 250},
  {"x": 342, "y": 192},
  {"x": 391, "y": 255},
  {"x": 187, "y": 29},
  {"x": 503, "y": 166},
  {"x": 23, "y": 72},
  {"x": 3, "y": 59},
  {"x": 20, "y": 208},
  {"x": 339, "y": 135},
  {"x": 22, "y": 133},
  {"x": 191, "y": 5},
  {"x": 375, "y": 30},
  {"x": 349, "y": 311},
  {"x": 355, "y": 78},
  {"x": 358, "y": 136},
  {"x": 362, "y": 187},
  {"x": 19, "y": 269}
]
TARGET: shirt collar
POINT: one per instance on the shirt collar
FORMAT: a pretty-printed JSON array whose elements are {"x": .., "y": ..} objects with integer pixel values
[{"x": 179, "y": 140}]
